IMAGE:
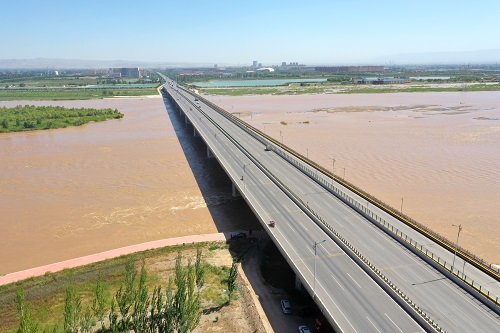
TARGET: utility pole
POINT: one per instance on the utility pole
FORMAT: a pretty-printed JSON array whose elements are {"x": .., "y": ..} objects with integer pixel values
[
  {"x": 333, "y": 165},
  {"x": 456, "y": 244},
  {"x": 315, "y": 247}
]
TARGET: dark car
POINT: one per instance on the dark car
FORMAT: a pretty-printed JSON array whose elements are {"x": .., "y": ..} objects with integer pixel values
[
  {"x": 239, "y": 235},
  {"x": 286, "y": 307}
]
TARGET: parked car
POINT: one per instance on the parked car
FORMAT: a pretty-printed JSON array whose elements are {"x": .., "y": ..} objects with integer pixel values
[
  {"x": 286, "y": 307},
  {"x": 304, "y": 329},
  {"x": 239, "y": 235}
]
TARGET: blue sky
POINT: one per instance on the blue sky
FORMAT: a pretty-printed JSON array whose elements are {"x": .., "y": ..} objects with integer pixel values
[{"x": 237, "y": 32}]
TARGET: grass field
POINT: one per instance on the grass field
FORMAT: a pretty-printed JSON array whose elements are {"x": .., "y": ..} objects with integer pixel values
[
  {"x": 53, "y": 94},
  {"x": 45, "y": 294},
  {"x": 336, "y": 88},
  {"x": 29, "y": 117}
]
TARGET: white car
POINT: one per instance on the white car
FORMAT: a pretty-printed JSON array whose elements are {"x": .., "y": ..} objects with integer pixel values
[
  {"x": 304, "y": 329},
  {"x": 286, "y": 307}
]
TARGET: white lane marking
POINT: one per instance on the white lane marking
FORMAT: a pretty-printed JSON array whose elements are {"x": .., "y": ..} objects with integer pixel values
[
  {"x": 393, "y": 322},
  {"x": 464, "y": 314},
  {"x": 413, "y": 273},
  {"x": 373, "y": 324},
  {"x": 354, "y": 280},
  {"x": 444, "y": 314},
  {"x": 399, "y": 275},
  {"x": 290, "y": 226},
  {"x": 331, "y": 299},
  {"x": 338, "y": 282}
]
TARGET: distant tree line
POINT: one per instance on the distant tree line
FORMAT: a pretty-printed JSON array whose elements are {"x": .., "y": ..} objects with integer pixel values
[{"x": 30, "y": 117}]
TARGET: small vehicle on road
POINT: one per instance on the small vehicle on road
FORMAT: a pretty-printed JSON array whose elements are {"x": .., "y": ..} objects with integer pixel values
[
  {"x": 239, "y": 235},
  {"x": 304, "y": 329},
  {"x": 272, "y": 224},
  {"x": 286, "y": 307}
]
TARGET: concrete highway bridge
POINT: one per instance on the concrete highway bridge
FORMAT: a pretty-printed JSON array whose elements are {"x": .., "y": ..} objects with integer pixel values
[{"x": 367, "y": 267}]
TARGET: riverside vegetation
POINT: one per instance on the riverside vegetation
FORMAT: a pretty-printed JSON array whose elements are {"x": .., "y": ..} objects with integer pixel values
[
  {"x": 30, "y": 117},
  {"x": 39, "y": 85},
  {"x": 124, "y": 301}
]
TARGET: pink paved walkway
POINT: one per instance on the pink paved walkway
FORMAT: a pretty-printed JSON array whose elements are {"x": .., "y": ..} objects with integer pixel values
[{"x": 37, "y": 271}]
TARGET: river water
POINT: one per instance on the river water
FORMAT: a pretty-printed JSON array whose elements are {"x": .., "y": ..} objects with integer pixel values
[
  {"x": 435, "y": 154},
  {"x": 71, "y": 192}
]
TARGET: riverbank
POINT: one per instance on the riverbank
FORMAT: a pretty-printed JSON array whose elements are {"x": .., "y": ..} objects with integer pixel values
[
  {"x": 45, "y": 294},
  {"x": 72, "y": 192}
]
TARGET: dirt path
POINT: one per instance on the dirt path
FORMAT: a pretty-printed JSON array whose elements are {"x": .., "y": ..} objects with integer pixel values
[{"x": 37, "y": 271}]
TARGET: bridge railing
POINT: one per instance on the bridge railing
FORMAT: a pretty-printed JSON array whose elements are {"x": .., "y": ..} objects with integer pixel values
[
  {"x": 295, "y": 158},
  {"x": 419, "y": 315}
]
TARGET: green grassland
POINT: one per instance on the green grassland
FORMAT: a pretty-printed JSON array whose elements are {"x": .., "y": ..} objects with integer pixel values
[
  {"x": 45, "y": 295},
  {"x": 345, "y": 88},
  {"x": 29, "y": 117},
  {"x": 54, "y": 94}
]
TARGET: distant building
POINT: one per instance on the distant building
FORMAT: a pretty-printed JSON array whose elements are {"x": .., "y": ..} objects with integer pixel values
[
  {"x": 292, "y": 65},
  {"x": 350, "y": 69},
  {"x": 266, "y": 69},
  {"x": 382, "y": 80},
  {"x": 126, "y": 72},
  {"x": 255, "y": 63}
]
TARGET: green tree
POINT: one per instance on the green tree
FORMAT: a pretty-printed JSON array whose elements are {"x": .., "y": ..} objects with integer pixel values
[
  {"x": 125, "y": 296},
  {"x": 199, "y": 269},
  {"x": 179, "y": 303},
  {"x": 72, "y": 311},
  {"x": 231, "y": 280},
  {"x": 26, "y": 324},
  {"x": 99, "y": 302},
  {"x": 86, "y": 321},
  {"x": 140, "y": 317}
]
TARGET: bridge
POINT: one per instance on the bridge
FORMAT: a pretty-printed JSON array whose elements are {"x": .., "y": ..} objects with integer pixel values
[{"x": 367, "y": 268}]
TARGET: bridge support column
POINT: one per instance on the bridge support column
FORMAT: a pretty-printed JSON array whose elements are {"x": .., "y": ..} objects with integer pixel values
[
  {"x": 195, "y": 132},
  {"x": 210, "y": 154},
  {"x": 298, "y": 283},
  {"x": 234, "y": 191},
  {"x": 187, "y": 120}
]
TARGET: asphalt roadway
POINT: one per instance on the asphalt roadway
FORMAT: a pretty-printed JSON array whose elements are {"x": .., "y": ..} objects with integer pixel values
[{"x": 356, "y": 302}]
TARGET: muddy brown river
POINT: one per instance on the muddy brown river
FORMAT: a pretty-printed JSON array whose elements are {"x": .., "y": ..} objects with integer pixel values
[
  {"x": 70, "y": 192},
  {"x": 437, "y": 154}
]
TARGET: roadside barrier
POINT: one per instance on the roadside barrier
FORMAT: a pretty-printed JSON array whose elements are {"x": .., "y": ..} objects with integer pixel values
[
  {"x": 354, "y": 253},
  {"x": 312, "y": 170}
]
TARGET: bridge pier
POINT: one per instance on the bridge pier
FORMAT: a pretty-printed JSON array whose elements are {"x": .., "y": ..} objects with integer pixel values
[
  {"x": 234, "y": 191},
  {"x": 298, "y": 283},
  {"x": 186, "y": 120},
  {"x": 210, "y": 154},
  {"x": 195, "y": 132}
]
